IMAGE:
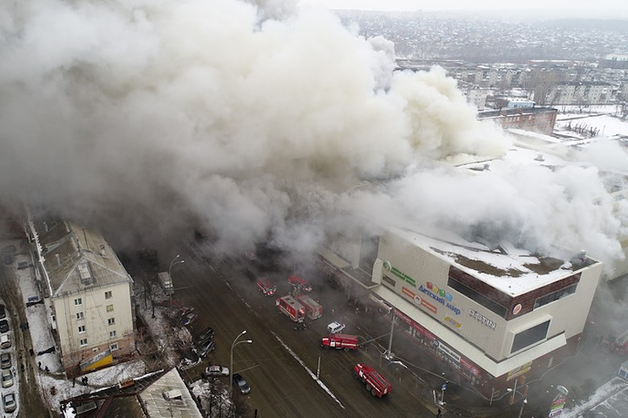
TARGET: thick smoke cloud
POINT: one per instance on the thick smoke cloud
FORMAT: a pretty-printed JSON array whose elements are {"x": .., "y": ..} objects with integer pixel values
[{"x": 253, "y": 121}]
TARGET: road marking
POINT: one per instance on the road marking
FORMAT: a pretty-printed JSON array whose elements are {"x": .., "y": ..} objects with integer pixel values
[{"x": 312, "y": 375}]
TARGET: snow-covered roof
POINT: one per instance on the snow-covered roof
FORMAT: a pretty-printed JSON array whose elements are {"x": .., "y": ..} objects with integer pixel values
[
  {"x": 76, "y": 257},
  {"x": 170, "y": 397},
  {"x": 511, "y": 270}
]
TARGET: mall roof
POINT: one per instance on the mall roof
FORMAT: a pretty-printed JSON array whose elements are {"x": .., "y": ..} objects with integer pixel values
[{"x": 511, "y": 270}]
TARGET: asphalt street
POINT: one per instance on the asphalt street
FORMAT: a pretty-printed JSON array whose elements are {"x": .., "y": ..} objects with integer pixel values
[{"x": 282, "y": 363}]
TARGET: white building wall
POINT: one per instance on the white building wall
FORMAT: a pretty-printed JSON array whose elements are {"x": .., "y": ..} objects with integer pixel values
[
  {"x": 95, "y": 317},
  {"x": 567, "y": 315}
]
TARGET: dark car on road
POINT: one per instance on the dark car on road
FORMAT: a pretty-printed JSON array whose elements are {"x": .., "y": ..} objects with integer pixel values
[
  {"x": 207, "y": 347},
  {"x": 4, "y": 326},
  {"x": 239, "y": 381},
  {"x": 206, "y": 334},
  {"x": 3, "y": 312}
]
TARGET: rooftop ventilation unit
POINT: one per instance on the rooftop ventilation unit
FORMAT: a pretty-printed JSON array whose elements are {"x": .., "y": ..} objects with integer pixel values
[
  {"x": 173, "y": 395},
  {"x": 86, "y": 274}
]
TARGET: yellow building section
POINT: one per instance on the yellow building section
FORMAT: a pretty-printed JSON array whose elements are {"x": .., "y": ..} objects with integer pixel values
[{"x": 100, "y": 360}]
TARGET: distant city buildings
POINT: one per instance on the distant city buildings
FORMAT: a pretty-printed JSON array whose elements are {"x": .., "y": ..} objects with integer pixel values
[{"x": 525, "y": 116}]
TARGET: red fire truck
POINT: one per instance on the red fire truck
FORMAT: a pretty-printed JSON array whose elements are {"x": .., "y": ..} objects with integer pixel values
[
  {"x": 375, "y": 383},
  {"x": 300, "y": 282},
  {"x": 340, "y": 341},
  {"x": 291, "y": 308},
  {"x": 266, "y": 287},
  {"x": 312, "y": 309}
]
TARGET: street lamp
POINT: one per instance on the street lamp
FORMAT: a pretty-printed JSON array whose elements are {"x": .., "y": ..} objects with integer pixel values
[
  {"x": 172, "y": 263},
  {"x": 233, "y": 344},
  {"x": 525, "y": 401}
]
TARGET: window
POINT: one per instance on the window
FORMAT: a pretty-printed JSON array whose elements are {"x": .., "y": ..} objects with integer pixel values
[
  {"x": 109, "y": 308},
  {"x": 390, "y": 282},
  {"x": 559, "y": 294},
  {"x": 83, "y": 342},
  {"x": 114, "y": 346},
  {"x": 81, "y": 329},
  {"x": 78, "y": 302},
  {"x": 112, "y": 334},
  {"x": 111, "y": 321},
  {"x": 530, "y": 336},
  {"x": 477, "y": 297},
  {"x": 108, "y": 294},
  {"x": 79, "y": 316}
]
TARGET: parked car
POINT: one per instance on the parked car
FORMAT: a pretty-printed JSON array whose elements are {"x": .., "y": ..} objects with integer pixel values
[
  {"x": 335, "y": 327},
  {"x": 5, "y": 361},
  {"x": 206, "y": 334},
  {"x": 206, "y": 348},
  {"x": 185, "y": 310},
  {"x": 22, "y": 265},
  {"x": 3, "y": 312},
  {"x": 8, "y": 402},
  {"x": 216, "y": 371},
  {"x": 189, "y": 318},
  {"x": 5, "y": 341},
  {"x": 4, "y": 326},
  {"x": 7, "y": 379},
  {"x": 239, "y": 381}
]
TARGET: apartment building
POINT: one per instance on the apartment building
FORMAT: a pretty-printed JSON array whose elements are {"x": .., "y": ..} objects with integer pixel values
[
  {"x": 536, "y": 119},
  {"x": 88, "y": 292},
  {"x": 580, "y": 93}
]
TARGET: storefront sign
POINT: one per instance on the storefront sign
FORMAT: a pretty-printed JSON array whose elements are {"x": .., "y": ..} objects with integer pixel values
[
  {"x": 481, "y": 318},
  {"x": 418, "y": 300},
  {"x": 446, "y": 350},
  {"x": 403, "y": 276},
  {"x": 452, "y": 322},
  {"x": 471, "y": 367},
  {"x": 435, "y": 294},
  {"x": 523, "y": 369}
]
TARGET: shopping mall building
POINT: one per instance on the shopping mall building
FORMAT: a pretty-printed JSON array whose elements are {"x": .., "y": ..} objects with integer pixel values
[{"x": 494, "y": 314}]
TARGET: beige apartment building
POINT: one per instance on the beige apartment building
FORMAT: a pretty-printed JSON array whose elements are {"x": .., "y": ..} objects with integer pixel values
[{"x": 88, "y": 292}]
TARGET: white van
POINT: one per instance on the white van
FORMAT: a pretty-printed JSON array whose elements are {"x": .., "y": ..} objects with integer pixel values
[
  {"x": 5, "y": 341},
  {"x": 335, "y": 327}
]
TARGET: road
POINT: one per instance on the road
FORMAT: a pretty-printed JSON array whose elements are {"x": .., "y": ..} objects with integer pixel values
[{"x": 281, "y": 363}]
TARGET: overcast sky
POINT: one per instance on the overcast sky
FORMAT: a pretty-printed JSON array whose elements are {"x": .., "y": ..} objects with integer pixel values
[{"x": 601, "y": 7}]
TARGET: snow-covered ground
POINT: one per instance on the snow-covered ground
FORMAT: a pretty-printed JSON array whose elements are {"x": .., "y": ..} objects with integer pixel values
[
  {"x": 609, "y": 401},
  {"x": 603, "y": 125}
]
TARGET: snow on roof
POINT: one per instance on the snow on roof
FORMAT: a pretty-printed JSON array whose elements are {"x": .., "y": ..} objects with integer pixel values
[
  {"x": 159, "y": 400},
  {"x": 512, "y": 271}
]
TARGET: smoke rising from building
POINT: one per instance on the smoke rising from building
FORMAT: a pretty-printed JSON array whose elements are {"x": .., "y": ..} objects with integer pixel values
[{"x": 253, "y": 121}]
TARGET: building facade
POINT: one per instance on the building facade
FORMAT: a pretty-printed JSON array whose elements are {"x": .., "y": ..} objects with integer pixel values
[
  {"x": 88, "y": 292},
  {"x": 535, "y": 119},
  {"x": 493, "y": 316}
]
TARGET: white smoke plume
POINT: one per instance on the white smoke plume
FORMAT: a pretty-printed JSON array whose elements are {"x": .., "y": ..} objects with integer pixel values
[{"x": 254, "y": 120}]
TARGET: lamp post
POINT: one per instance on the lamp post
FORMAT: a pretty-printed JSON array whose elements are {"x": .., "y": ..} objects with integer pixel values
[
  {"x": 525, "y": 401},
  {"x": 172, "y": 263},
  {"x": 233, "y": 344}
]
